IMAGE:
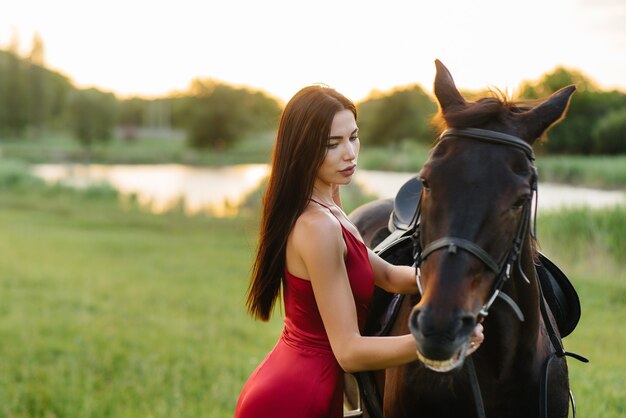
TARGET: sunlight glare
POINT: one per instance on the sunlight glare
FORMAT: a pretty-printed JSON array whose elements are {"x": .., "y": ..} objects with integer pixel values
[{"x": 279, "y": 46}]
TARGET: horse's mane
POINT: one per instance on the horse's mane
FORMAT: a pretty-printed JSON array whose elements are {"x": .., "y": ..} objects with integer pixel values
[{"x": 479, "y": 112}]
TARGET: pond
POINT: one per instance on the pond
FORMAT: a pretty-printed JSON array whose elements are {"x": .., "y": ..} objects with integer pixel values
[{"x": 221, "y": 190}]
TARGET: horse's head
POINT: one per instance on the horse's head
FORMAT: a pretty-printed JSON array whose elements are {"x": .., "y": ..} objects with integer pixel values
[{"x": 474, "y": 212}]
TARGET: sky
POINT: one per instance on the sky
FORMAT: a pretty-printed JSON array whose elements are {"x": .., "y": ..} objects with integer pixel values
[{"x": 154, "y": 47}]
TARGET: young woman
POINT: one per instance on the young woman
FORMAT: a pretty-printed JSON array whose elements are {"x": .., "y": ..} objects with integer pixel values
[{"x": 309, "y": 248}]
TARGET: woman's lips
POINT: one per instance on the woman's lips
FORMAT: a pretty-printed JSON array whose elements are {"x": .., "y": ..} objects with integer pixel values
[{"x": 348, "y": 171}]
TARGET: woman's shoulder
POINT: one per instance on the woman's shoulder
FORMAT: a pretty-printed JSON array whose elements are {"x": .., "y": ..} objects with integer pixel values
[{"x": 316, "y": 226}]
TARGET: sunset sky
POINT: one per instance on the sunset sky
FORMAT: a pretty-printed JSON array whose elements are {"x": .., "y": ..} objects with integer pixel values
[{"x": 154, "y": 47}]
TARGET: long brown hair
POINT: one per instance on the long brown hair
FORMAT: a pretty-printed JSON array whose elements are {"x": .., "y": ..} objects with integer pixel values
[{"x": 301, "y": 144}]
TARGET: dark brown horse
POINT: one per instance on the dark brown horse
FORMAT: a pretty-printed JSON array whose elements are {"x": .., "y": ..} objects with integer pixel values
[{"x": 473, "y": 244}]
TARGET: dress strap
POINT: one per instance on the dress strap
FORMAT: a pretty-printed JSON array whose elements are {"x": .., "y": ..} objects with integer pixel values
[
  {"x": 319, "y": 203},
  {"x": 343, "y": 227},
  {"x": 333, "y": 213},
  {"x": 327, "y": 207}
]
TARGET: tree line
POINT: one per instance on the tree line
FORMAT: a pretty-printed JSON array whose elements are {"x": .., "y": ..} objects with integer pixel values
[
  {"x": 595, "y": 121},
  {"x": 35, "y": 101}
]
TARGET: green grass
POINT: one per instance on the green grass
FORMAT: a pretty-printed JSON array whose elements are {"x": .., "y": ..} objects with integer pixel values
[
  {"x": 60, "y": 149},
  {"x": 596, "y": 171},
  {"x": 111, "y": 312},
  {"x": 589, "y": 245},
  {"x": 599, "y": 387},
  {"x": 408, "y": 156}
]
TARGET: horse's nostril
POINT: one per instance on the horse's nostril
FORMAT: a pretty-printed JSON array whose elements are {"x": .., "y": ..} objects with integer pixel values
[{"x": 468, "y": 322}]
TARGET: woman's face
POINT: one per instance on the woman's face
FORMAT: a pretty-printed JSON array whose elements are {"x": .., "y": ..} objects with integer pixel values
[{"x": 342, "y": 150}]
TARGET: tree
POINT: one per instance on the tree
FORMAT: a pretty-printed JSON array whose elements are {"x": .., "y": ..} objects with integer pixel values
[
  {"x": 555, "y": 80},
  {"x": 401, "y": 114},
  {"x": 37, "y": 100},
  {"x": 131, "y": 116},
  {"x": 14, "y": 92},
  {"x": 93, "y": 116},
  {"x": 609, "y": 134},
  {"x": 587, "y": 107},
  {"x": 220, "y": 114},
  {"x": 32, "y": 98}
]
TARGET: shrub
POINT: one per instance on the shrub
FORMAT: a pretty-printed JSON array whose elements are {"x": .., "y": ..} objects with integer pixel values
[{"x": 609, "y": 134}]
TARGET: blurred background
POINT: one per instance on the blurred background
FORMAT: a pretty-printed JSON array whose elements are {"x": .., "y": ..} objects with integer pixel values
[{"x": 135, "y": 139}]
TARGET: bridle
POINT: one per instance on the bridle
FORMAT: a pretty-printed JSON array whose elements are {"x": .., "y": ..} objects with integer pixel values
[
  {"x": 503, "y": 267},
  {"x": 511, "y": 258}
]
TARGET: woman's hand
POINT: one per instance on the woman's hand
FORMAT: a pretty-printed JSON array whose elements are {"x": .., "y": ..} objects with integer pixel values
[{"x": 477, "y": 338}]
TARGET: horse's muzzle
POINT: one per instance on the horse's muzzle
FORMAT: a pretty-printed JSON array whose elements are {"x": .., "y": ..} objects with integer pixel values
[{"x": 442, "y": 341}]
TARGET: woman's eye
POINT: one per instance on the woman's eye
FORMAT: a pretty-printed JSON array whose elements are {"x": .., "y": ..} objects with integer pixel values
[
  {"x": 332, "y": 145},
  {"x": 354, "y": 138}
]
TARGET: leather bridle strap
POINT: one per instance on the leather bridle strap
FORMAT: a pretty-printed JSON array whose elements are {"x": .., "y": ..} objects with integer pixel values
[
  {"x": 491, "y": 137},
  {"x": 501, "y": 269},
  {"x": 478, "y": 399},
  {"x": 453, "y": 243},
  {"x": 512, "y": 258},
  {"x": 494, "y": 137}
]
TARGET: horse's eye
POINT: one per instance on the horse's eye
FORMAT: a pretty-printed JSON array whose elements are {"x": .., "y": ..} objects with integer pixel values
[
  {"x": 425, "y": 184},
  {"x": 519, "y": 203}
]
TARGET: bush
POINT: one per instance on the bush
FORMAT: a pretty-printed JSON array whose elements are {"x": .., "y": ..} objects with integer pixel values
[
  {"x": 609, "y": 134},
  {"x": 588, "y": 106},
  {"x": 221, "y": 115},
  {"x": 16, "y": 175},
  {"x": 93, "y": 115},
  {"x": 395, "y": 116}
]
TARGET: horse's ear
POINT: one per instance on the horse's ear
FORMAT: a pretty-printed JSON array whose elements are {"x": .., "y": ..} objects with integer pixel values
[
  {"x": 540, "y": 118},
  {"x": 445, "y": 90}
]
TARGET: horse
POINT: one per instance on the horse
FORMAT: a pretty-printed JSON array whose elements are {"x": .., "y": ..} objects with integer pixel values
[{"x": 473, "y": 245}]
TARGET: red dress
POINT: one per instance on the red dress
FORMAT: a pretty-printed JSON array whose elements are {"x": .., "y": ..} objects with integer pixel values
[{"x": 300, "y": 377}]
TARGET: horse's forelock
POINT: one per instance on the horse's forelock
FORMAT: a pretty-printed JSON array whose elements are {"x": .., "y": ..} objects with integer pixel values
[{"x": 477, "y": 113}]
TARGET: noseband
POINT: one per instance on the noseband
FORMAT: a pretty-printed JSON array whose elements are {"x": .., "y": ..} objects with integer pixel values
[{"x": 503, "y": 267}]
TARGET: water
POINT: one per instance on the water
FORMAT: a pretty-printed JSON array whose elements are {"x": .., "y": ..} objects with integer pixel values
[
  {"x": 218, "y": 190},
  {"x": 221, "y": 190}
]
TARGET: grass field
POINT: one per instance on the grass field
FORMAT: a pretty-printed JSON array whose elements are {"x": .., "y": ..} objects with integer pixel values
[
  {"x": 112, "y": 312},
  {"x": 62, "y": 149}
]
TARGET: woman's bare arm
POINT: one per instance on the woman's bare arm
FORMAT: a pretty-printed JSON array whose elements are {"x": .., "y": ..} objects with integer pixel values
[
  {"x": 393, "y": 279},
  {"x": 318, "y": 240}
]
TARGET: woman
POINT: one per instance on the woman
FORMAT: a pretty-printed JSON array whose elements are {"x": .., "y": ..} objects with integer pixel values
[{"x": 309, "y": 247}]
